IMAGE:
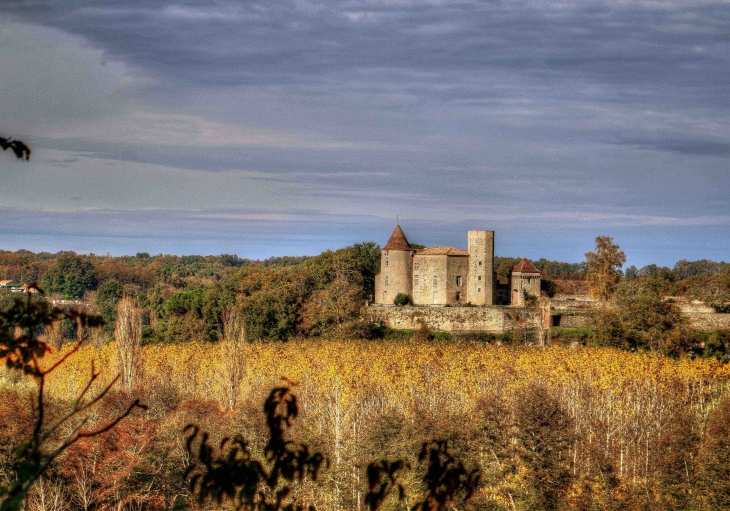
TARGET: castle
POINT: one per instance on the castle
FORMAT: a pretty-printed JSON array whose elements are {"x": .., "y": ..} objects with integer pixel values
[{"x": 450, "y": 276}]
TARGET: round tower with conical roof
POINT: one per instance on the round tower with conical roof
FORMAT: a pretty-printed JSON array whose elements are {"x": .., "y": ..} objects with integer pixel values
[{"x": 396, "y": 268}]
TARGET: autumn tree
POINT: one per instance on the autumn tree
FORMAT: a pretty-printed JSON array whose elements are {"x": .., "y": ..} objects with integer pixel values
[
  {"x": 649, "y": 321},
  {"x": 49, "y": 435},
  {"x": 328, "y": 308},
  {"x": 604, "y": 268},
  {"x": 128, "y": 335},
  {"x": 546, "y": 434},
  {"x": 713, "y": 290},
  {"x": 714, "y": 460},
  {"x": 233, "y": 345}
]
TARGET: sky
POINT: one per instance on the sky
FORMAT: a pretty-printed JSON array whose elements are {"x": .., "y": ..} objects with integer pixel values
[{"x": 292, "y": 127}]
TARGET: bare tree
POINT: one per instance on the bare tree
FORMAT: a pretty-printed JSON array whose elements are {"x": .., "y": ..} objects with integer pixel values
[
  {"x": 47, "y": 496},
  {"x": 128, "y": 334},
  {"x": 545, "y": 320},
  {"x": 233, "y": 352}
]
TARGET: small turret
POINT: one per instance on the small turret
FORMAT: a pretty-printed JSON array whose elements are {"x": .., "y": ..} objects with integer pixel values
[{"x": 525, "y": 278}]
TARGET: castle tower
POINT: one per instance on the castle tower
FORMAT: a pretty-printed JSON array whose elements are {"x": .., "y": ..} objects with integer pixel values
[
  {"x": 480, "y": 281},
  {"x": 525, "y": 278},
  {"x": 396, "y": 268}
]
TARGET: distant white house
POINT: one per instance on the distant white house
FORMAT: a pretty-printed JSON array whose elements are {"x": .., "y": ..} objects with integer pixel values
[{"x": 25, "y": 288}]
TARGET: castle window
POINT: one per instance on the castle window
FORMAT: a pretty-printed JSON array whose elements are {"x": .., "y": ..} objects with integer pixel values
[
  {"x": 480, "y": 263},
  {"x": 479, "y": 278},
  {"x": 415, "y": 280},
  {"x": 458, "y": 280},
  {"x": 386, "y": 280},
  {"x": 479, "y": 290},
  {"x": 415, "y": 266},
  {"x": 458, "y": 297},
  {"x": 386, "y": 261},
  {"x": 435, "y": 280}
]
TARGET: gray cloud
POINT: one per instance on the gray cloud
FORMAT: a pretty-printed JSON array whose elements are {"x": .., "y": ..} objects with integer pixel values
[
  {"x": 686, "y": 146},
  {"x": 613, "y": 112}
]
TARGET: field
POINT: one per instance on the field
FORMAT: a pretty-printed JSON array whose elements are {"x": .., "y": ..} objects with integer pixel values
[{"x": 609, "y": 426}]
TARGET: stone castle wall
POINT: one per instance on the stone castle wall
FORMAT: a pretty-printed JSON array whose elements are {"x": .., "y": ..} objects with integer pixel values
[
  {"x": 700, "y": 321},
  {"x": 430, "y": 266},
  {"x": 499, "y": 319},
  {"x": 495, "y": 319}
]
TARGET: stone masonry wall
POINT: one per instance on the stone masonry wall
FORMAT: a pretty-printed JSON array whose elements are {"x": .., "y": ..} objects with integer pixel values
[
  {"x": 494, "y": 319},
  {"x": 573, "y": 321},
  {"x": 396, "y": 266},
  {"x": 480, "y": 280},
  {"x": 430, "y": 267},
  {"x": 709, "y": 321}
]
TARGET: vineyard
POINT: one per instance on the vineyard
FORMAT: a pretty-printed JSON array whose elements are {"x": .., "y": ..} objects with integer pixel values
[{"x": 548, "y": 428}]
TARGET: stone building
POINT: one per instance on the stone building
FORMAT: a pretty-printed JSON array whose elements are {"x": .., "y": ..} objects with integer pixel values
[
  {"x": 448, "y": 275},
  {"x": 525, "y": 278}
]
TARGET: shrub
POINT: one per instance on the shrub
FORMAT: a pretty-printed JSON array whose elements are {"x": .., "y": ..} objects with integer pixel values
[{"x": 402, "y": 299}]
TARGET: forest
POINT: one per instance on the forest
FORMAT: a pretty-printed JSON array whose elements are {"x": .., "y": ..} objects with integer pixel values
[
  {"x": 190, "y": 348},
  {"x": 281, "y": 298}
]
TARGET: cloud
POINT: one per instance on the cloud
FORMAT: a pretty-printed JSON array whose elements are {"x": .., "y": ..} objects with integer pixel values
[
  {"x": 582, "y": 113},
  {"x": 687, "y": 146}
]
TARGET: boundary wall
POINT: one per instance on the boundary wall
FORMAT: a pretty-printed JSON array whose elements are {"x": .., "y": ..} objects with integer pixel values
[
  {"x": 500, "y": 319},
  {"x": 492, "y": 319}
]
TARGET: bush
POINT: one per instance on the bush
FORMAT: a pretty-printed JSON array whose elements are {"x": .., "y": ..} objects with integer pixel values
[
  {"x": 402, "y": 299},
  {"x": 608, "y": 331}
]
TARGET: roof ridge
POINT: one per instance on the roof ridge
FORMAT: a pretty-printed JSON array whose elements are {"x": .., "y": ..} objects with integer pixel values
[{"x": 525, "y": 266}]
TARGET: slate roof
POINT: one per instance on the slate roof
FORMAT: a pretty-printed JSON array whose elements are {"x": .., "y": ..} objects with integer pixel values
[
  {"x": 397, "y": 240},
  {"x": 451, "y": 251},
  {"x": 525, "y": 266}
]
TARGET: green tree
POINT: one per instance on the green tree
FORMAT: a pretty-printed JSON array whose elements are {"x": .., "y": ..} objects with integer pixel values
[
  {"x": 269, "y": 317},
  {"x": 70, "y": 276},
  {"x": 107, "y": 296},
  {"x": 608, "y": 331},
  {"x": 548, "y": 287},
  {"x": 651, "y": 322},
  {"x": 632, "y": 273},
  {"x": 604, "y": 266},
  {"x": 503, "y": 267}
]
